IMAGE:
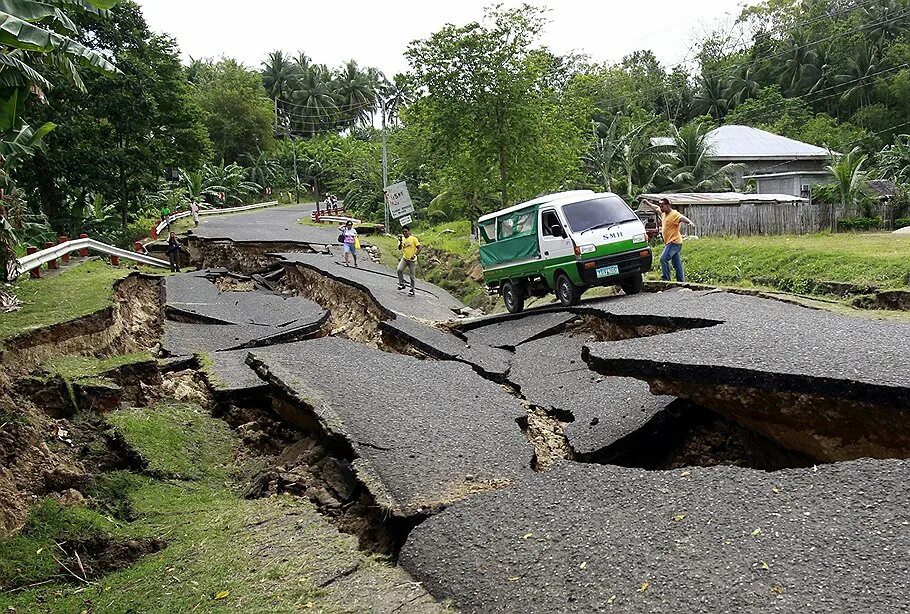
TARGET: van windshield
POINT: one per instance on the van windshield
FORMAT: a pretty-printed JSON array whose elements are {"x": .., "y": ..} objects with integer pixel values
[{"x": 598, "y": 213}]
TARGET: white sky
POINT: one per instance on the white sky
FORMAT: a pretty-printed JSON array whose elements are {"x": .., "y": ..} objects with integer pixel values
[{"x": 377, "y": 32}]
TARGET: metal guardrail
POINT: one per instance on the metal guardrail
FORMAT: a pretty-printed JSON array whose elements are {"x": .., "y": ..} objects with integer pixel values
[
  {"x": 33, "y": 261},
  {"x": 343, "y": 219},
  {"x": 177, "y": 216}
]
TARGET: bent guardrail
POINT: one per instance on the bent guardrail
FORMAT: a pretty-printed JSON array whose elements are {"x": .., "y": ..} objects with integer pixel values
[
  {"x": 179, "y": 216},
  {"x": 51, "y": 254}
]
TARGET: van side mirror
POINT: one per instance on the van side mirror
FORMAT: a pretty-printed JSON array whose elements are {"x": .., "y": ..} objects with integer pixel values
[{"x": 557, "y": 231}]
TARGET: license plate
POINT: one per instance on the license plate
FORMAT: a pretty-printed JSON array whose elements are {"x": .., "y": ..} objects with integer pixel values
[{"x": 607, "y": 271}]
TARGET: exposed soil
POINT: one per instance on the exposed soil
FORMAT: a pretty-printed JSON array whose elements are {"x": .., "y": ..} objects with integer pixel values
[
  {"x": 353, "y": 313},
  {"x": 285, "y": 451},
  {"x": 84, "y": 560},
  {"x": 604, "y": 327},
  {"x": 135, "y": 321},
  {"x": 685, "y": 435},
  {"x": 244, "y": 258}
]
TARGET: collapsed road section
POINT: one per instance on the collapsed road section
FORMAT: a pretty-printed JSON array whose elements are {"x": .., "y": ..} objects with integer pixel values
[{"x": 832, "y": 387}]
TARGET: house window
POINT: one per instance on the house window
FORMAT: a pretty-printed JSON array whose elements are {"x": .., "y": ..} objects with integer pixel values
[{"x": 805, "y": 191}]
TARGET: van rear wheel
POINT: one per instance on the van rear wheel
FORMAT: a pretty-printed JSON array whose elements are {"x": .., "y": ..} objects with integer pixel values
[
  {"x": 633, "y": 284},
  {"x": 567, "y": 292},
  {"x": 514, "y": 297}
]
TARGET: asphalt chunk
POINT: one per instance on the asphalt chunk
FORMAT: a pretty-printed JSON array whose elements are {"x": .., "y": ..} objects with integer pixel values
[
  {"x": 512, "y": 332},
  {"x": 492, "y": 363},
  {"x": 430, "y": 302},
  {"x": 423, "y": 433},
  {"x": 590, "y": 538}
]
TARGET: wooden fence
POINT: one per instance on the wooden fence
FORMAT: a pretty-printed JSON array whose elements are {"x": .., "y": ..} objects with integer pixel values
[{"x": 758, "y": 218}]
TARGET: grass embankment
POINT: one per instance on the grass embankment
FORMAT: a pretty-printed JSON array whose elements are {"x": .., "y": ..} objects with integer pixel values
[
  {"x": 77, "y": 291},
  {"x": 223, "y": 552},
  {"x": 796, "y": 263}
]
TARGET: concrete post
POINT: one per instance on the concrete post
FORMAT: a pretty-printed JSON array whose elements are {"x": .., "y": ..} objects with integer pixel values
[
  {"x": 83, "y": 252},
  {"x": 138, "y": 247},
  {"x": 115, "y": 260},
  {"x": 60, "y": 241},
  {"x": 36, "y": 272},
  {"x": 52, "y": 265}
]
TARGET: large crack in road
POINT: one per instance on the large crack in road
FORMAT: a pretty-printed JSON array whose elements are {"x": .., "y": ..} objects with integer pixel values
[{"x": 562, "y": 460}]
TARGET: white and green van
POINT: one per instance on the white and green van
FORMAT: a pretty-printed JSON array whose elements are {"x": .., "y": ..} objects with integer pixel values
[{"x": 562, "y": 243}]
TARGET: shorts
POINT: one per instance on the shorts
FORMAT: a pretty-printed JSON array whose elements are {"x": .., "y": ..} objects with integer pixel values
[{"x": 348, "y": 248}]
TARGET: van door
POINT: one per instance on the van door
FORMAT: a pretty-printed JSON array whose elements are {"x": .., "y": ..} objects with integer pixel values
[{"x": 555, "y": 244}]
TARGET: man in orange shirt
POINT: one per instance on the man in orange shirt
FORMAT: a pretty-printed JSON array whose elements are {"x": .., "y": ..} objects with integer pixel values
[{"x": 671, "y": 220}]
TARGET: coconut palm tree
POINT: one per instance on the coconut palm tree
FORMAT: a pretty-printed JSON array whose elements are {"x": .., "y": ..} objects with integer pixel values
[
  {"x": 315, "y": 101},
  {"x": 711, "y": 96},
  {"x": 689, "y": 166},
  {"x": 860, "y": 76},
  {"x": 262, "y": 168},
  {"x": 278, "y": 73},
  {"x": 356, "y": 93},
  {"x": 799, "y": 56},
  {"x": 397, "y": 93}
]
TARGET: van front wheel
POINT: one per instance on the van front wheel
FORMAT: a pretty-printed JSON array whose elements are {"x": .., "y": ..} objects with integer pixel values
[
  {"x": 567, "y": 292},
  {"x": 513, "y": 297},
  {"x": 633, "y": 284}
]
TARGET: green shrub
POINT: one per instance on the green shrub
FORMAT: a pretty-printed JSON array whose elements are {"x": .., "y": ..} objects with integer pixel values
[
  {"x": 901, "y": 222},
  {"x": 858, "y": 223}
]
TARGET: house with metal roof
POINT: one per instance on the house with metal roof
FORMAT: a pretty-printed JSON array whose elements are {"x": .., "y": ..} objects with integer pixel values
[{"x": 777, "y": 164}]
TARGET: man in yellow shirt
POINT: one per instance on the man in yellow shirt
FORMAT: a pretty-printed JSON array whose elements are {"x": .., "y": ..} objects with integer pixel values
[
  {"x": 672, "y": 253},
  {"x": 410, "y": 247}
]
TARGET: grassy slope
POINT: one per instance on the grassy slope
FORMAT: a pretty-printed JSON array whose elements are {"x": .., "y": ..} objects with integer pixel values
[
  {"x": 224, "y": 552},
  {"x": 881, "y": 260},
  {"x": 77, "y": 291}
]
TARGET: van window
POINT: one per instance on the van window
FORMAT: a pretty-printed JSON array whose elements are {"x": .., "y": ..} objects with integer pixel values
[
  {"x": 549, "y": 219},
  {"x": 598, "y": 212},
  {"x": 488, "y": 231},
  {"x": 519, "y": 224}
]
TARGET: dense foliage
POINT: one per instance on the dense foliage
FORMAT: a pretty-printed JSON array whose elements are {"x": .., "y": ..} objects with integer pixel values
[{"x": 485, "y": 117}]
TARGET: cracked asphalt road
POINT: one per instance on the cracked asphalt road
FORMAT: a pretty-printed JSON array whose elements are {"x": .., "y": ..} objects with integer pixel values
[
  {"x": 583, "y": 537},
  {"x": 425, "y": 433},
  {"x": 586, "y": 538}
]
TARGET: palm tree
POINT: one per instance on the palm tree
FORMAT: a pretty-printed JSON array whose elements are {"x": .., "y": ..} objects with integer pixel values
[
  {"x": 887, "y": 19},
  {"x": 711, "y": 96},
  {"x": 689, "y": 167},
  {"x": 894, "y": 160},
  {"x": 278, "y": 73},
  {"x": 397, "y": 94},
  {"x": 860, "y": 76},
  {"x": 356, "y": 92},
  {"x": 798, "y": 56},
  {"x": 848, "y": 174},
  {"x": 316, "y": 104}
]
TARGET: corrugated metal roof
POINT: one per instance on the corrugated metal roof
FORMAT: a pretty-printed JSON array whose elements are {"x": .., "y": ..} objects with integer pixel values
[
  {"x": 787, "y": 174},
  {"x": 724, "y": 198},
  {"x": 746, "y": 143}
]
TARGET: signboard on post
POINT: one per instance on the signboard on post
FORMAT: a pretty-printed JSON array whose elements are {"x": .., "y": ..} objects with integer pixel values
[
  {"x": 405, "y": 220},
  {"x": 399, "y": 200}
]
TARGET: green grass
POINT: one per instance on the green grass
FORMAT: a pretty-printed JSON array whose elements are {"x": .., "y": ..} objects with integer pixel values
[
  {"x": 75, "y": 292},
  {"x": 792, "y": 263},
  {"x": 81, "y": 367},
  {"x": 28, "y": 558},
  {"x": 224, "y": 553},
  {"x": 178, "y": 441}
]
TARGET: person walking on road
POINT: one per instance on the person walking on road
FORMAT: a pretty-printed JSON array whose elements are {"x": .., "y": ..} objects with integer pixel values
[
  {"x": 173, "y": 252},
  {"x": 349, "y": 243},
  {"x": 166, "y": 215},
  {"x": 410, "y": 247},
  {"x": 194, "y": 209},
  {"x": 672, "y": 253}
]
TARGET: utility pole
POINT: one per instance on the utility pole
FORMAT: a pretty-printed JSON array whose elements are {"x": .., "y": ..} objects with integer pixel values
[
  {"x": 385, "y": 164},
  {"x": 290, "y": 137}
]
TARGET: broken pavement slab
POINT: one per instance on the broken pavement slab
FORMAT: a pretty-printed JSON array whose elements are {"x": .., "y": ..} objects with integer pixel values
[
  {"x": 423, "y": 433},
  {"x": 830, "y": 386},
  {"x": 196, "y": 297},
  {"x": 431, "y": 303},
  {"x": 492, "y": 363},
  {"x": 590, "y": 538},
  {"x": 511, "y": 332},
  {"x": 599, "y": 411}
]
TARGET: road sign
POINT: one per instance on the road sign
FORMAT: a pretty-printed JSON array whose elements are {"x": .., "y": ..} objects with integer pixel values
[
  {"x": 405, "y": 220},
  {"x": 399, "y": 200}
]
